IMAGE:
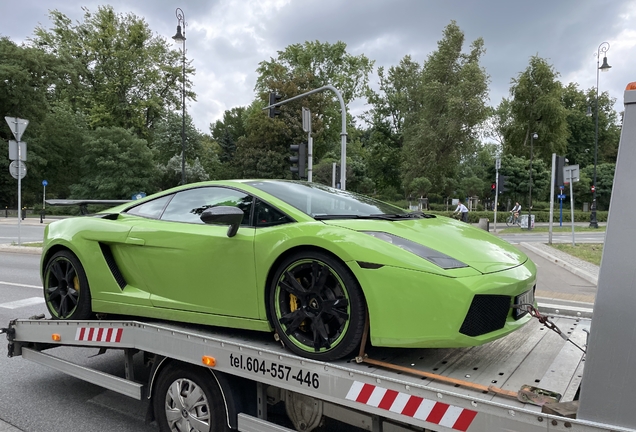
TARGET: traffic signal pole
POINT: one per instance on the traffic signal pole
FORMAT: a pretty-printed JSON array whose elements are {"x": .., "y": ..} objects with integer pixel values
[
  {"x": 343, "y": 134},
  {"x": 497, "y": 166}
]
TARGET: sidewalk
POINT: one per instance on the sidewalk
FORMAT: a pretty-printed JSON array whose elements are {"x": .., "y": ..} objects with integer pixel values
[{"x": 583, "y": 269}]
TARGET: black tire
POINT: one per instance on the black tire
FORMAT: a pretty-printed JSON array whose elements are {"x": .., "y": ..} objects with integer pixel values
[
  {"x": 187, "y": 398},
  {"x": 66, "y": 291},
  {"x": 509, "y": 221},
  {"x": 317, "y": 306}
]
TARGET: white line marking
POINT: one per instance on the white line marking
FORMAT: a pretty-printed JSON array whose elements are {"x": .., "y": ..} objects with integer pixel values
[
  {"x": 20, "y": 285},
  {"x": 22, "y": 303}
]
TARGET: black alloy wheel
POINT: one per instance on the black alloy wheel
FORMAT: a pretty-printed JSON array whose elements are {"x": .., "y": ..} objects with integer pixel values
[
  {"x": 66, "y": 292},
  {"x": 317, "y": 306}
]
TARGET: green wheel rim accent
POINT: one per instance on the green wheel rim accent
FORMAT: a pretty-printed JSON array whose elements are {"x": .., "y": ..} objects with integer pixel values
[
  {"x": 62, "y": 288},
  {"x": 322, "y": 314}
]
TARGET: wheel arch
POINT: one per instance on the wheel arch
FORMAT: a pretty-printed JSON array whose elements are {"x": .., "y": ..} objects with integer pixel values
[
  {"x": 296, "y": 249},
  {"x": 236, "y": 401},
  {"x": 49, "y": 253}
]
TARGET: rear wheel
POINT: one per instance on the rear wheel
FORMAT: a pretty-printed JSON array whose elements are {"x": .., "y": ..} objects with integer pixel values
[
  {"x": 187, "y": 399},
  {"x": 317, "y": 306},
  {"x": 66, "y": 290}
]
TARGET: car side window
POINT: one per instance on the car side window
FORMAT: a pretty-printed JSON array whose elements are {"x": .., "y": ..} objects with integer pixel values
[
  {"x": 151, "y": 209},
  {"x": 187, "y": 205},
  {"x": 266, "y": 215}
]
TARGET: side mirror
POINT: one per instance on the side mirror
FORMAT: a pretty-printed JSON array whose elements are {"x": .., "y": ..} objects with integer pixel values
[{"x": 224, "y": 215}]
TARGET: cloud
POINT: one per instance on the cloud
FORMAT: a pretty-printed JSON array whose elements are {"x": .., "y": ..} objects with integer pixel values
[{"x": 226, "y": 39}]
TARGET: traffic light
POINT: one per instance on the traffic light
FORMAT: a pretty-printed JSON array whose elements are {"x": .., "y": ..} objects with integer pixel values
[
  {"x": 558, "y": 178},
  {"x": 502, "y": 184},
  {"x": 299, "y": 159},
  {"x": 493, "y": 188},
  {"x": 274, "y": 109},
  {"x": 593, "y": 188}
]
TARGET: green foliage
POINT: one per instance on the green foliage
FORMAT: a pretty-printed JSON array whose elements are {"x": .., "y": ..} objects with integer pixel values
[
  {"x": 117, "y": 72},
  {"x": 451, "y": 100},
  {"x": 115, "y": 165},
  {"x": 303, "y": 67},
  {"x": 536, "y": 107},
  {"x": 543, "y": 216}
]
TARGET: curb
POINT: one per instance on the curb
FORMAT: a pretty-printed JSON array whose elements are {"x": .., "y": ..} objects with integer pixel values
[
  {"x": 20, "y": 249},
  {"x": 561, "y": 263}
]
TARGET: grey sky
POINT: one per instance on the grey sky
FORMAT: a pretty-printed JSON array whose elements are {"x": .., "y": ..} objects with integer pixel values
[{"x": 226, "y": 39}]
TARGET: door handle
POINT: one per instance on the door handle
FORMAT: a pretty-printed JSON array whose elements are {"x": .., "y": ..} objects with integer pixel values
[{"x": 135, "y": 241}]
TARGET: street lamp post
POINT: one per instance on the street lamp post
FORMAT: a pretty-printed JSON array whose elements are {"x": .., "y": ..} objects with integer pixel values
[
  {"x": 602, "y": 48},
  {"x": 180, "y": 37},
  {"x": 533, "y": 137}
]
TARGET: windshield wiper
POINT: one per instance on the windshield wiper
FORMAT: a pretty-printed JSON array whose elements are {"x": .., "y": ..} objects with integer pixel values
[
  {"x": 380, "y": 216},
  {"x": 410, "y": 215},
  {"x": 352, "y": 216}
]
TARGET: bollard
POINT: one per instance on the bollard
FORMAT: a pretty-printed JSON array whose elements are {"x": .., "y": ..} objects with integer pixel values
[{"x": 23, "y": 213}]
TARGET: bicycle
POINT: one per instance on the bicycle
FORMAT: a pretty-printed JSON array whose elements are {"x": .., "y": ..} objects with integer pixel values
[{"x": 513, "y": 219}]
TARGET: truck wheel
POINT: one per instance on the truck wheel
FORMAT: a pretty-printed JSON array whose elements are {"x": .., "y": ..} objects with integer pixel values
[
  {"x": 317, "y": 306},
  {"x": 187, "y": 398},
  {"x": 66, "y": 292}
]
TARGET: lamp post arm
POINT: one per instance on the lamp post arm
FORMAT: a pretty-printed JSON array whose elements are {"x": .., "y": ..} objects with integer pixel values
[{"x": 343, "y": 133}]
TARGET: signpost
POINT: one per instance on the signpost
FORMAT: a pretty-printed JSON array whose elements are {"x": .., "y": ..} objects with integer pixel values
[
  {"x": 43, "y": 215},
  {"x": 571, "y": 175},
  {"x": 310, "y": 142},
  {"x": 497, "y": 166},
  {"x": 17, "y": 126}
]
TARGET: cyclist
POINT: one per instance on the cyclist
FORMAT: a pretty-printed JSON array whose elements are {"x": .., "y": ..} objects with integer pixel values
[{"x": 516, "y": 211}]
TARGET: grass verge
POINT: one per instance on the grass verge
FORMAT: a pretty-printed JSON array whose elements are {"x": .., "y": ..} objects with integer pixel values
[
  {"x": 517, "y": 230},
  {"x": 590, "y": 252}
]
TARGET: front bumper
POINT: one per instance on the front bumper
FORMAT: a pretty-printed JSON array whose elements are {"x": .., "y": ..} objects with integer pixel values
[{"x": 413, "y": 309}]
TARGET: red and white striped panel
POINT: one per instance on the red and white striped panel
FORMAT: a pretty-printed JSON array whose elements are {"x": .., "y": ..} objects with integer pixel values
[
  {"x": 89, "y": 334},
  {"x": 412, "y": 406}
]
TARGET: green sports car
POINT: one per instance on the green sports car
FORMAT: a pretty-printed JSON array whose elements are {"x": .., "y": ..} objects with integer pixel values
[{"x": 306, "y": 261}]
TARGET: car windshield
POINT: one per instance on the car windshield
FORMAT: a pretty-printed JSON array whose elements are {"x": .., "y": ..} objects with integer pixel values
[{"x": 323, "y": 202}]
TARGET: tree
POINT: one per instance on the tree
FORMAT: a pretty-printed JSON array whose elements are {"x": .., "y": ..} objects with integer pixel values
[
  {"x": 581, "y": 113},
  {"x": 389, "y": 109},
  {"x": 166, "y": 139},
  {"x": 451, "y": 105},
  {"x": 227, "y": 132},
  {"x": 117, "y": 72},
  {"x": 303, "y": 67},
  {"x": 115, "y": 165},
  {"x": 536, "y": 106},
  {"x": 26, "y": 76}
]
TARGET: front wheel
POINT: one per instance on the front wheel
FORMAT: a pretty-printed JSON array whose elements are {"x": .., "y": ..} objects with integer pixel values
[
  {"x": 187, "y": 399},
  {"x": 66, "y": 292},
  {"x": 317, "y": 306}
]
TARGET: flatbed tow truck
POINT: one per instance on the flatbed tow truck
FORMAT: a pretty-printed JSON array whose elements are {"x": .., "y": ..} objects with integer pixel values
[{"x": 206, "y": 379}]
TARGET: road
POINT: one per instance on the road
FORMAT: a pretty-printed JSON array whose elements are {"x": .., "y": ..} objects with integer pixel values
[
  {"x": 30, "y": 231},
  {"x": 579, "y": 237},
  {"x": 38, "y": 399},
  {"x": 51, "y": 401}
]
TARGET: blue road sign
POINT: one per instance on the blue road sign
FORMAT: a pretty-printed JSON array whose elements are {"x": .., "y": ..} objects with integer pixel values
[
  {"x": 45, "y": 183},
  {"x": 561, "y": 196},
  {"x": 139, "y": 195}
]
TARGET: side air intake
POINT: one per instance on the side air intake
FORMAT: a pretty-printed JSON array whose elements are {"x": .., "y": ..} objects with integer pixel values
[{"x": 112, "y": 265}]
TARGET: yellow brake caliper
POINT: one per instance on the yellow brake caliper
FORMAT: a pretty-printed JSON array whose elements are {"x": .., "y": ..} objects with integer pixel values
[
  {"x": 293, "y": 305},
  {"x": 76, "y": 283}
]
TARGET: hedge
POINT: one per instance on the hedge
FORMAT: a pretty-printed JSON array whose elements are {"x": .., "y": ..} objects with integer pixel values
[{"x": 540, "y": 216}]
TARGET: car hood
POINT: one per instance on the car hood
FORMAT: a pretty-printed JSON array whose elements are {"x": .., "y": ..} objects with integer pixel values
[{"x": 477, "y": 248}]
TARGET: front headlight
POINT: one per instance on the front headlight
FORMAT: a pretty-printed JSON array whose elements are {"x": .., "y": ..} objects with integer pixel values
[{"x": 439, "y": 259}]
